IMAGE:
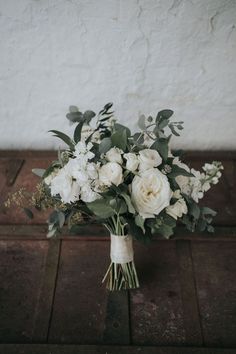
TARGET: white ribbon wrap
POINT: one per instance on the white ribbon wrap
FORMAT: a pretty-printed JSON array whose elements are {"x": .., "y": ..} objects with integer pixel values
[{"x": 122, "y": 249}]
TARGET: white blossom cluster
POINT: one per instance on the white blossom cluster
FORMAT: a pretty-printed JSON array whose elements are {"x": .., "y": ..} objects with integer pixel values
[{"x": 196, "y": 186}]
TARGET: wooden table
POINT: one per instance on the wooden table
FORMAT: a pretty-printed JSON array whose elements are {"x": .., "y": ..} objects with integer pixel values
[{"x": 52, "y": 300}]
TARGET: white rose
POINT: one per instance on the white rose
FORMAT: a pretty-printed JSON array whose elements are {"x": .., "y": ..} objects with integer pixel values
[
  {"x": 110, "y": 173},
  {"x": 64, "y": 185},
  {"x": 149, "y": 158},
  {"x": 88, "y": 195},
  {"x": 132, "y": 161},
  {"x": 150, "y": 193},
  {"x": 114, "y": 155},
  {"x": 178, "y": 209}
]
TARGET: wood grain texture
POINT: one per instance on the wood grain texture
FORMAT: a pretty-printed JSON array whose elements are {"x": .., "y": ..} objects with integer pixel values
[
  {"x": 102, "y": 349},
  {"x": 81, "y": 301},
  {"x": 215, "y": 269},
  {"x": 22, "y": 270},
  {"x": 157, "y": 316}
]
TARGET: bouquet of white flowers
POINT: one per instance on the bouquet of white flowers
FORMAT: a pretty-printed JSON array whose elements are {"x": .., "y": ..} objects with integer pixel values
[{"x": 131, "y": 183}]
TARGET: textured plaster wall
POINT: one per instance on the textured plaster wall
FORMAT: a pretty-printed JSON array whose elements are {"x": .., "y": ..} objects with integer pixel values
[{"x": 143, "y": 55}]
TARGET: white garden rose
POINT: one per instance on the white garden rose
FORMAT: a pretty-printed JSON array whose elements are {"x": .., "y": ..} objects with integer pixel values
[
  {"x": 87, "y": 194},
  {"x": 149, "y": 158},
  {"x": 114, "y": 155},
  {"x": 132, "y": 161},
  {"x": 178, "y": 209},
  {"x": 110, "y": 173},
  {"x": 150, "y": 193}
]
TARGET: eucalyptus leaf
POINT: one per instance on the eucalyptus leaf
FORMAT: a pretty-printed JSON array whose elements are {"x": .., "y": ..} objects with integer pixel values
[
  {"x": 29, "y": 213},
  {"x": 101, "y": 208},
  {"x": 63, "y": 137},
  {"x": 178, "y": 171},
  {"x": 128, "y": 202},
  {"x": 77, "y": 132},
  {"x": 161, "y": 145},
  {"x": 105, "y": 145},
  {"x": 139, "y": 221},
  {"x": 141, "y": 122},
  {"x": 88, "y": 115},
  {"x": 38, "y": 171}
]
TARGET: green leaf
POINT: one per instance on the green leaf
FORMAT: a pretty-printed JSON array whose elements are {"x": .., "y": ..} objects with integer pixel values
[
  {"x": 139, "y": 221},
  {"x": 165, "y": 230},
  {"x": 194, "y": 210},
  {"x": 106, "y": 108},
  {"x": 101, "y": 208},
  {"x": 138, "y": 138},
  {"x": 119, "y": 139},
  {"x": 121, "y": 127},
  {"x": 172, "y": 128},
  {"x": 88, "y": 115},
  {"x": 165, "y": 113},
  {"x": 128, "y": 202},
  {"x": 38, "y": 171},
  {"x": 141, "y": 122},
  {"x": 77, "y": 132},
  {"x": 63, "y": 137},
  {"x": 105, "y": 145},
  {"x": 161, "y": 145},
  {"x": 178, "y": 171},
  {"x": 163, "y": 124},
  {"x": 75, "y": 116},
  {"x": 61, "y": 218},
  {"x": 29, "y": 213},
  {"x": 208, "y": 211},
  {"x": 73, "y": 109}
]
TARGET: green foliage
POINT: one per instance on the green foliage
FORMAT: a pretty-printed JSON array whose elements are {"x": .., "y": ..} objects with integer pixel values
[
  {"x": 101, "y": 208},
  {"x": 105, "y": 145},
  {"x": 77, "y": 132},
  {"x": 64, "y": 137},
  {"x": 38, "y": 171}
]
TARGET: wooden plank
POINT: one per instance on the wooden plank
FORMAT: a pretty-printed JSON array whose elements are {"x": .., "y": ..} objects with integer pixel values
[
  {"x": 215, "y": 269},
  {"x": 81, "y": 301},
  {"x": 102, "y": 349},
  {"x": 22, "y": 270},
  {"x": 43, "y": 310},
  {"x": 117, "y": 330},
  {"x": 156, "y": 308},
  {"x": 191, "y": 317}
]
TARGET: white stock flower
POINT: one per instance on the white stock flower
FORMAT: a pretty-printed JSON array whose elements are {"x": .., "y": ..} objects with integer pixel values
[
  {"x": 114, "y": 155},
  {"x": 64, "y": 185},
  {"x": 132, "y": 161},
  {"x": 83, "y": 150},
  {"x": 178, "y": 209},
  {"x": 150, "y": 193},
  {"x": 149, "y": 158},
  {"x": 87, "y": 131},
  {"x": 110, "y": 173}
]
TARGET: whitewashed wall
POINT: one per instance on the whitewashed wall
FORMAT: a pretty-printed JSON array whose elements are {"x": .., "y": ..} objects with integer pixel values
[{"x": 143, "y": 55}]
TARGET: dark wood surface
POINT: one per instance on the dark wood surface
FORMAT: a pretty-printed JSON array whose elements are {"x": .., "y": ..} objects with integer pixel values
[{"x": 52, "y": 299}]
